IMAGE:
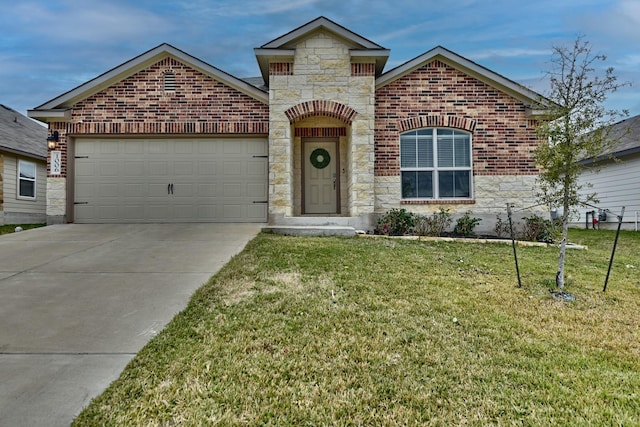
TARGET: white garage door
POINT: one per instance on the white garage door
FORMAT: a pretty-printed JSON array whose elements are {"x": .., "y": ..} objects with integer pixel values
[{"x": 170, "y": 180}]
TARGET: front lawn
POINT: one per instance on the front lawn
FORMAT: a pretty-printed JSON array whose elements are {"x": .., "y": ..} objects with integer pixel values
[
  {"x": 363, "y": 331},
  {"x": 11, "y": 228}
]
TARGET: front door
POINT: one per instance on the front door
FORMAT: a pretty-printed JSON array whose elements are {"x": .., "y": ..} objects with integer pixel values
[{"x": 321, "y": 180}]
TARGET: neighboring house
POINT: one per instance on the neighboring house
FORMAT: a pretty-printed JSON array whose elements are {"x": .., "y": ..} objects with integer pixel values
[
  {"x": 23, "y": 169},
  {"x": 615, "y": 178},
  {"x": 325, "y": 136}
]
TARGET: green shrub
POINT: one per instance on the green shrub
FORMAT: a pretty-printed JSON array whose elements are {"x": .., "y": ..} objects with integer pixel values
[
  {"x": 502, "y": 228},
  {"x": 538, "y": 229},
  {"x": 396, "y": 222},
  {"x": 466, "y": 224},
  {"x": 434, "y": 225}
]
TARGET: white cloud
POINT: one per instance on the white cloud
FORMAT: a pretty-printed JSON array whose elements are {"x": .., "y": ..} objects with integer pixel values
[
  {"x": 509, "y": 53},
  {"x": 621, "y": 21},
  {"x": 245, "y": 8},
  {"x": 88, "y": 21}
]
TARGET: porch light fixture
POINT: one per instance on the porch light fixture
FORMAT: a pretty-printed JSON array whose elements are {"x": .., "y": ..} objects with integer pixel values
[{"x": 52, "y": 140}]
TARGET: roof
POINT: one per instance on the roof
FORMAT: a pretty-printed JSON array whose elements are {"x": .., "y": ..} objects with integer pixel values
[
  {"x": 283, "y": 47},
  {"x": 21, "y": 135},
  {"x": 469, "y": 67},
  {"x": 58, "y": 109},
  {"x": 627, "y": 136}
]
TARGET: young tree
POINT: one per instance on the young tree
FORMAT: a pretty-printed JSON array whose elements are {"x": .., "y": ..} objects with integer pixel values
[{"x": 577, "y": 128}]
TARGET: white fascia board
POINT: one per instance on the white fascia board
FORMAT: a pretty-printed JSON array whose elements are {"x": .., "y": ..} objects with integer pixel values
[{"x": 51, "y": 115}]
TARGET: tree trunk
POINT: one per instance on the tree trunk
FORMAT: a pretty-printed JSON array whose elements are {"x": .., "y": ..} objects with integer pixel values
[{"x": 563, "y": 243}]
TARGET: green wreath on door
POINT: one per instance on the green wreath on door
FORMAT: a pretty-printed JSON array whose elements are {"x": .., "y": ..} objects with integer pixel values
[{"x": 320, "y": 158}]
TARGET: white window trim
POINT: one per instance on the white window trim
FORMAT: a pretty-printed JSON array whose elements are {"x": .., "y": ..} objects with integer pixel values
[
  {"x": 20, "y": 179},
  {"x": 435, "y": 170}
]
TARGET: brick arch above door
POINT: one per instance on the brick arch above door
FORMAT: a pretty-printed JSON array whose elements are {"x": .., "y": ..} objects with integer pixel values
[{"x": 321, "y": 108}]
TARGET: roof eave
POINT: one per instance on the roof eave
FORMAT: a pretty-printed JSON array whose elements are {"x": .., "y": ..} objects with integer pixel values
[
  {"x": 23, "y": 153},
  {"x": 141, "y": 62},
  {"x": 466, "y": 66},
  {"x": 50, "y": 115},
  {"x": 266, "y": 55},
  {"x": 379, "y": 56}
]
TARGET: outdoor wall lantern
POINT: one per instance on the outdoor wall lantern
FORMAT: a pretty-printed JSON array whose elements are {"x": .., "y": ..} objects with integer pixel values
[{"x": 52, "y": 140}]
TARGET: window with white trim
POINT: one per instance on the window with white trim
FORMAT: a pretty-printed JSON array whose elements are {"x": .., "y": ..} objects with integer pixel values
[
  {"x": 26, "y": 179},
  {"x": 435, "y": 163}
]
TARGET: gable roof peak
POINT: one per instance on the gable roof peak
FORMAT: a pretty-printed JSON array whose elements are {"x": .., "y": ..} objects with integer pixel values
[
  {"x": 468, "y": 67},
  {"x": 58, "y": 109},
  {"x": 282, "y": 49},
  {"x": 321, "y": 22}
]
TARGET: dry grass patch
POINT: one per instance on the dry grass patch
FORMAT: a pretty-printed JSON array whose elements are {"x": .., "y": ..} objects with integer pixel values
[{"x": 328, "y": 331}]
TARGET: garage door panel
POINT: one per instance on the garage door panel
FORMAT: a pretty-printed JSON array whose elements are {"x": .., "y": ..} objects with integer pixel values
[
  {"x": 257, "y": 191},
  {"x": 257, "y": 211},
  {"x": 108, "y": 147},
  {"x": 207, "y": 190},
  {"x": 85, "y": 169},
  {"x": 256, "y": 148},
  {"x": 130, "y": 167},
  {"x": 109, "y": 168},
  {"x": 130, "y": 180},
  {"x": 158, "y": 147},
  {"x": 183, "y": 168},
  {"x": 257, "y": 169},
  {"x": 232, "y": 168},
  {"x": 133, "y": 147},
  {"x": 233, "y": 146},
  {"x": 207, "y": 168}
]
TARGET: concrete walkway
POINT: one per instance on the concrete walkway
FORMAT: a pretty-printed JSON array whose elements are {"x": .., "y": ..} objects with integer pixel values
[{"x": 78, "y": 301}]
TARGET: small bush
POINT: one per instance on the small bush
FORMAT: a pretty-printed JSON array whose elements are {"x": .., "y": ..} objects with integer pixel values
[
  {"x": 502, "y": 227},
  {"x": 396, "y": 222},
  {"x": 434, "y": 225},
  {"x": 538, "y": 229},
  {"x": 465, "y": 225}
]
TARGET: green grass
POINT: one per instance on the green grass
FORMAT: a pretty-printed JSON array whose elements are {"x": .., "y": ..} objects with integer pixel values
[
  {"x": 11, "y": 228},
  {"x": 330, "y": 331}
]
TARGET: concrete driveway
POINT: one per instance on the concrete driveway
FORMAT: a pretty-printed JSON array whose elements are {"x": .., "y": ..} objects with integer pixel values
[{"x": 78, "y": 301}]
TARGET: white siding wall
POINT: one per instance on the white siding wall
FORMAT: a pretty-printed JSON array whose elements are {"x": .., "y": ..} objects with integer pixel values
[
  {"x": 616, "y": 185},
  {"x": 23, "y": 211}
]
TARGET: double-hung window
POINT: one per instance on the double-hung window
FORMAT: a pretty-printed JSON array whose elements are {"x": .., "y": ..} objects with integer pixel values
[
  {"x": 26, "y": 180},
  {"x": 435, "y": 164}
]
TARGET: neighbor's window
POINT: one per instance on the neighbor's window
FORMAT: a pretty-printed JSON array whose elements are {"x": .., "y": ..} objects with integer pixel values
[
  {"x": 435, "y": 164},
  {"x": 26, "y": 179}
]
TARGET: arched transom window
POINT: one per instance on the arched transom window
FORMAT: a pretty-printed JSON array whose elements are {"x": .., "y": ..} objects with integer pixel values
[{"x": 435, "y": 163}]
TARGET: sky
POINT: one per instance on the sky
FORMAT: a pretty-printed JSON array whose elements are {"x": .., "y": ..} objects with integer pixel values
[{"x": 48, "y": 47}]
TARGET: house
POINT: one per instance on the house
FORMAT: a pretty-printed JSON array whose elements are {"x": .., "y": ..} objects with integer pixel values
[
  {"x": 23, "y": 169},
  {"x": 325, "y": 136},
  {"x": 615, "y": 178}
]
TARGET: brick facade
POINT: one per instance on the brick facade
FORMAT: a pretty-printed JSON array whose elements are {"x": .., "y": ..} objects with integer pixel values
[
  {"x": 140, "y": 105},
  {"x": 439, "y": 95}
]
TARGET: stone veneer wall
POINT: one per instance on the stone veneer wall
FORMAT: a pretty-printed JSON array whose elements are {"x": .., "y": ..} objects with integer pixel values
[
  {"x": 322, "y": 71},
  {"x": 503, "y": 139},
  {"x": 139, "y": 105}
]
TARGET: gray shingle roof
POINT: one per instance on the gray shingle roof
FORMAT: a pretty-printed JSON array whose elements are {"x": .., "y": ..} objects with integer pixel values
[
  {"x": 629, "y": 133},
  {"x": 21, "y": 135}
]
